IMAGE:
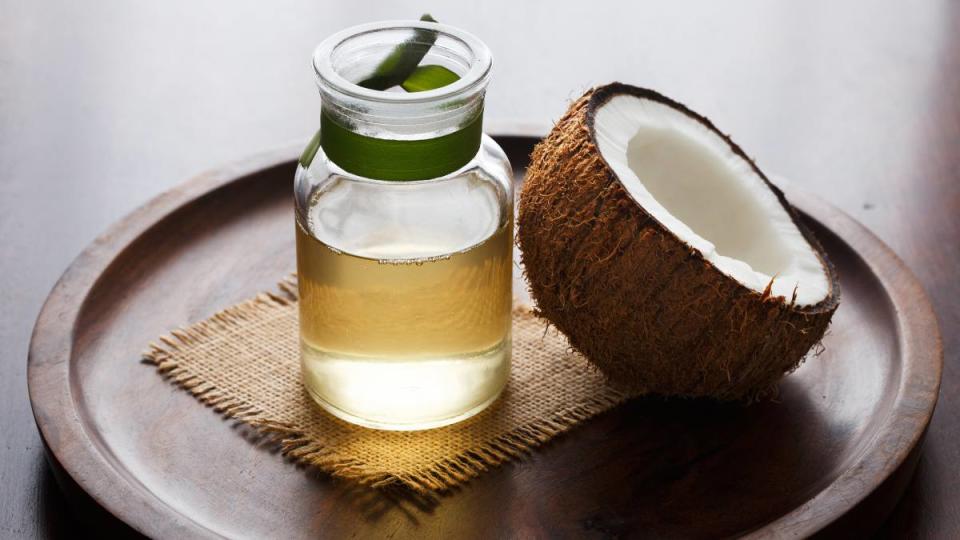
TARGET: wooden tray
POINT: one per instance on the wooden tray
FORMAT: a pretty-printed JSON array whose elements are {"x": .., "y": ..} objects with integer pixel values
[{"x": 832, "y": 455}]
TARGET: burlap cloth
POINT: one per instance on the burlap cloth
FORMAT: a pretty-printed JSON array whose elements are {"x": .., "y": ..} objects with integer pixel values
[{"x": 244, "y": 362}]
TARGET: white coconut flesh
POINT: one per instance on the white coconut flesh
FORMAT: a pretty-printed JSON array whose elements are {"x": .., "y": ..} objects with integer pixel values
[{"x": 690, "y": 180}]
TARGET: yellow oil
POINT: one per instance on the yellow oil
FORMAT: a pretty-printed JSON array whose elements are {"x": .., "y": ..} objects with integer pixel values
[{"x": 393, "y": 340}]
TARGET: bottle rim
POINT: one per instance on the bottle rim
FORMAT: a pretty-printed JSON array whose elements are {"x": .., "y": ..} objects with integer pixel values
[{"x": 475, "y": 78}]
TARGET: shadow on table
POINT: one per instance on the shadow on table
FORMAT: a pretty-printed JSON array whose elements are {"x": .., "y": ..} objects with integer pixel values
[{"x": 66, "y": 511}]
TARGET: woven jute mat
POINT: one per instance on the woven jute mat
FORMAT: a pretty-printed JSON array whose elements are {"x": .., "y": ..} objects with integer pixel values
[{"x": 244, "y": 362}]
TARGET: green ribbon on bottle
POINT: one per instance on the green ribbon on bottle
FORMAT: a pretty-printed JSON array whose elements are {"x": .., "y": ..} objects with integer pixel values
[{"x": 392, "y": 159}]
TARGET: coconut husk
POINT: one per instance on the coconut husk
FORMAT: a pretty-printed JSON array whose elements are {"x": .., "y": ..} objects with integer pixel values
[{"x": 646, "y": 308}]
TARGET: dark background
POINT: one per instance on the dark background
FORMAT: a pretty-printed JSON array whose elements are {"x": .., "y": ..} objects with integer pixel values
[{"x": 105, "y": 104}]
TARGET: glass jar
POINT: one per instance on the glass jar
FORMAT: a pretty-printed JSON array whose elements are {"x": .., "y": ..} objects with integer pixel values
[{"x": 404, "y": 229}]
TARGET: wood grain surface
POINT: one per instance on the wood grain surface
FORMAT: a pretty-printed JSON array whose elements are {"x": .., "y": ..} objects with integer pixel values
[{"x": 104, "y": 105}]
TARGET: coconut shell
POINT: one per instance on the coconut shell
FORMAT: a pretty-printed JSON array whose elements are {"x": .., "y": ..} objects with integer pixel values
[{"x": 643, "y": 306}]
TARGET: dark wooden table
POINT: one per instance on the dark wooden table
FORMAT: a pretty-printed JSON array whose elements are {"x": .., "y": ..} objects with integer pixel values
[{"x": 104, "y": 105}]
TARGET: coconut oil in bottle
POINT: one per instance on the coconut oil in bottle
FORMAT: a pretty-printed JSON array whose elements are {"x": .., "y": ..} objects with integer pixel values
[
  {"x": 408, "y": 334},
  {"x": 404, "y": 231}
]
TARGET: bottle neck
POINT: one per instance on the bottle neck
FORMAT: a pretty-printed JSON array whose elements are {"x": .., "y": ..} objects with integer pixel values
[
  {"x": 389, "y": 134},
  {"x": 418, "y": 142}
]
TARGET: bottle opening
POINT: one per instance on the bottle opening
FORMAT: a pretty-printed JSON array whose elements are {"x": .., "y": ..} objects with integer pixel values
[{"x": 349, "y": 56}]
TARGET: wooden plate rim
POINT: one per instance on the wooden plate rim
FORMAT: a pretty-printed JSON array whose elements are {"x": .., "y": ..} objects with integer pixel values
[{"x": 91, "y": 467}]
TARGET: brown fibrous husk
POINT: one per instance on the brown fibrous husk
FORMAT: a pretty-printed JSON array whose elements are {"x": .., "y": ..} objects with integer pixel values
[{"x": 643, "y": 306}]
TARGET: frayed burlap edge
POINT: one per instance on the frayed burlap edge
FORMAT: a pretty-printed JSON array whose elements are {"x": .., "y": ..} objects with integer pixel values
[{"x": 294, "y": 444}]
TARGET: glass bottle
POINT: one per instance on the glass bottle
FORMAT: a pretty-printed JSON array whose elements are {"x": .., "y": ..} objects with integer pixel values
[{"x": 404, "y": 214}]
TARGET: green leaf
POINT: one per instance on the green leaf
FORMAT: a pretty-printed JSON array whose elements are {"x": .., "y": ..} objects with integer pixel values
[
  {"x": 403, "y": 60},
  {"x": 389, "y": 159},
  {"x": 429, "y": 77},
  {"x": 306, "y": 158}
]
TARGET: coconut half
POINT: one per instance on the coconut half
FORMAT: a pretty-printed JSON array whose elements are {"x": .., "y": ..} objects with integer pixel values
[{"x": 665, "y": 255}]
